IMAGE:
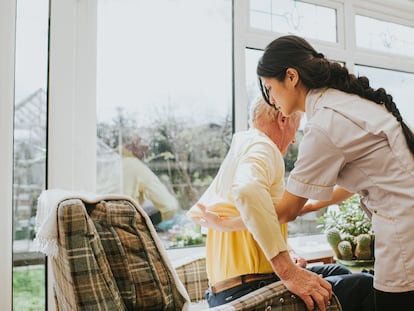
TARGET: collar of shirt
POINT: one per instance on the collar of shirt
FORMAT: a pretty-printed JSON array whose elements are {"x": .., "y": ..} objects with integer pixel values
[{"x": 312, "y": 99}]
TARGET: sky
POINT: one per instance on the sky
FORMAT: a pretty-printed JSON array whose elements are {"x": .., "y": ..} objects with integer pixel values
[{"x": 151, "y": 62}]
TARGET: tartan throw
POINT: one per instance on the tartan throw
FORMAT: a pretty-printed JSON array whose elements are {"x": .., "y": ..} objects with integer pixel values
[{"x": 108, "y": 260}]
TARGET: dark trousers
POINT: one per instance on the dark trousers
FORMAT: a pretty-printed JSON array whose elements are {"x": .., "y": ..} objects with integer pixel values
[
  {"x": 394, "y": 301},
  {"x": 233, "y": 293},
  {"x": 354, "y": 291}
]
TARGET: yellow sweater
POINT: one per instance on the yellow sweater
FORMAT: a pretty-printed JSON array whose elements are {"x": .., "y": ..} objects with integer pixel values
[{"x": 249, "y": 182}]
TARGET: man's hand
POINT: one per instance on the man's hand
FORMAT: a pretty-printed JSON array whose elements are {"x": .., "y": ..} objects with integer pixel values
[{"x": 310, "y": 287}]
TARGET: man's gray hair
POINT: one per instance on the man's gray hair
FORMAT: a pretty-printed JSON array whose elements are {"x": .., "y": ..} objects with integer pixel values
[{"x": 260, "y": 111}]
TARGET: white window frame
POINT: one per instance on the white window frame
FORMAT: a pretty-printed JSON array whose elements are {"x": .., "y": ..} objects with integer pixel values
[
  {"x": 400, "y": 11},
  {"x": 7, "y": 56},
  {"x": 71, "y": 159}
]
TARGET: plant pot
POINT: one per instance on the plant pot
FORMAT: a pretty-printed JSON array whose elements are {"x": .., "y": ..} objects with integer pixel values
[{"x": 355, "y": 263}]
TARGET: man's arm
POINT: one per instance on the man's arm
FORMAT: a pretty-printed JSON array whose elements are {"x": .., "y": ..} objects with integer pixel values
[
  {"x": 310, "y": 287},
  {"x": 287, "y": 210}
]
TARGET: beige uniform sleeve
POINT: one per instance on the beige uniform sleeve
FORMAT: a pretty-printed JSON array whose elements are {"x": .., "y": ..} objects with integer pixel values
[{"x": 317, "y": 167}]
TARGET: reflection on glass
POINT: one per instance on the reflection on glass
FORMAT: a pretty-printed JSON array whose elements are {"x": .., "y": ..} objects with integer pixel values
[
  {"x": 29, "y": 171},
  {"x": 398, "y": 84},
  {"x": 164, "y": 105},
  {"x": 384, "y": 36},
  {"x": 294, "y": 17}
]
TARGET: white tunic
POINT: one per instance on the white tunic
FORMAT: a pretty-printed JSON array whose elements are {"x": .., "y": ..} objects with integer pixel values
[{"x": 360, "y": 146}]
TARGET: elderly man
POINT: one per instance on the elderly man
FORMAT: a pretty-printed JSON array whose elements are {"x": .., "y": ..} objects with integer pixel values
[{"x": 243, "y": 255}]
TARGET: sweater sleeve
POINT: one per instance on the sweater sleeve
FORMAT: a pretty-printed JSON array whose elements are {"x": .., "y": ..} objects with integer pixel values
[{"x": 260, "y": 168}]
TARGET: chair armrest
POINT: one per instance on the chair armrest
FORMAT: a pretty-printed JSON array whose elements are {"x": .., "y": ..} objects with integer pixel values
[
  {"x": 193, "y": 275},
  {"x": 273, "y": 297}
]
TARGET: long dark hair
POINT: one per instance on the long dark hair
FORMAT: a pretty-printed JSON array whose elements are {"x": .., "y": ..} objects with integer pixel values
[{"x": 316, "y": 71}]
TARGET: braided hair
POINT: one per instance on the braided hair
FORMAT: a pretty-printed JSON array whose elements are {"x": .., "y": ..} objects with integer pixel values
[{"x": 316, "y": 71}]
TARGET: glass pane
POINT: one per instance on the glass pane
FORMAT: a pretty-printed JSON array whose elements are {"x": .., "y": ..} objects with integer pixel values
[
  {"x": 164, "y": 91},
  {"x": 384, "y": 36},
  {"x": 307, "y": 223},
  {"x": 29, "y": 171},
  {"x": 252, "y": 83},
  {"x": 398, "y": 84},
  {"x": 294, "y": 17}
]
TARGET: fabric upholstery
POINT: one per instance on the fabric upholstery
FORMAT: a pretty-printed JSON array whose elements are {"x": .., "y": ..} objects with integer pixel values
[
  {"x": 108, "y": 260},
  {"x": 271, "y": 297},
  {"x": 193, "y": 275}
]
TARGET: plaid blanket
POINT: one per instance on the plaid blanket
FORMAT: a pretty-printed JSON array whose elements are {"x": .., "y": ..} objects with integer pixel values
[{"x": 108, "y": 259}]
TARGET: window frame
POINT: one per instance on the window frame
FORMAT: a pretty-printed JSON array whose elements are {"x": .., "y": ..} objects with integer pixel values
[{"x": 7, "y": 59}]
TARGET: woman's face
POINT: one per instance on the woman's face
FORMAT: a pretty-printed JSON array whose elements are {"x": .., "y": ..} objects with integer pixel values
[{"x": 285, "y": 95}]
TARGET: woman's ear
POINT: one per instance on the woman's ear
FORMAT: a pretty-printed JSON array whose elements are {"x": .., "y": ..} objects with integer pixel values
[{"x": 292, "y": 76}]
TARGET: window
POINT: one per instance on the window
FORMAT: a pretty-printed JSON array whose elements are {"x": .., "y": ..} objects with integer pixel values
[
  {"x": 383, "y": 36},
  {"x": 164, "y": 105},
  {"x": 295, "y": 17},
  {"x": 398, "y": 84},
  {"x": 30, "y": 117}
]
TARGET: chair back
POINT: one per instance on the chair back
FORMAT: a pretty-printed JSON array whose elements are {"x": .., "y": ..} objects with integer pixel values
[{"x": 110, "y": 258}]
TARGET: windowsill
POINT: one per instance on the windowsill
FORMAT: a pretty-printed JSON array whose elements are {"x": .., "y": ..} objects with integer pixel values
[{"x": 312, "y": 247}]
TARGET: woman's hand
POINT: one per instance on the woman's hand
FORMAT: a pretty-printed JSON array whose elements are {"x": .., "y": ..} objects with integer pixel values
[
  {"x": 308, "y": 207},
  {"x": 212, "y": 220}
]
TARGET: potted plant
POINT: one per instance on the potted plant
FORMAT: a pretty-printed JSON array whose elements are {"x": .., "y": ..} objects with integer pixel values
[{"x": 349, "y": 232}]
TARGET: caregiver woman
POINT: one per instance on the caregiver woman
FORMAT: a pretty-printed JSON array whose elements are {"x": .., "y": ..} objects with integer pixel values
[{"x": 354, "y": 138}]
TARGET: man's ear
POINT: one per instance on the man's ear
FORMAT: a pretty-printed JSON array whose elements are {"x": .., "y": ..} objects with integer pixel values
[{"x": 281, "y": 120}]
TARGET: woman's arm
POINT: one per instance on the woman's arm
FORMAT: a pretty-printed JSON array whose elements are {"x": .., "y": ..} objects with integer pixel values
[
  {"x": 287, "y": 210},
  {"x": 339, "y": 194},
  {"x": 289, "y": 207}
]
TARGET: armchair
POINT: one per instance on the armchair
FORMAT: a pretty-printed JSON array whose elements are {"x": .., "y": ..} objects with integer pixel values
[{"x": 109, "y": 257}]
